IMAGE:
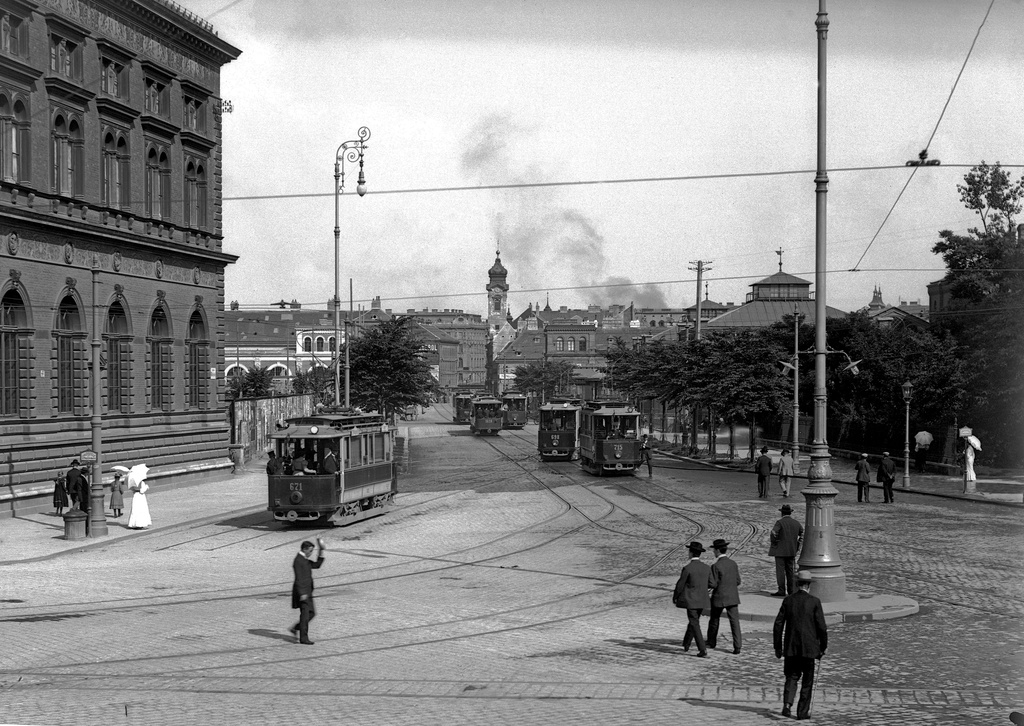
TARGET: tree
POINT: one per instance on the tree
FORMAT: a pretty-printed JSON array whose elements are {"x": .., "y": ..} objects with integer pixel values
[
  {"x": 545, "y": 378},
  {"x": 986, "y": 310},
  {"x": 254, "y": 383},
  {"x": 388, "y": 370},
  {"x": 318, "y": 382}
]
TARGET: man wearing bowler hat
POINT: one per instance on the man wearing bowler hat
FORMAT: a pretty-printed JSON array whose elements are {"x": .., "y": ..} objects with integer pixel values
[
  {"x": 785, "y": 538},
  {"x": 764, "y": 472},
  {"x": 800, "y": 634},
  {"x": 695, "y": 581},
  {"x": 726, "y": 596},
  {"x": 887, "y": 476}
]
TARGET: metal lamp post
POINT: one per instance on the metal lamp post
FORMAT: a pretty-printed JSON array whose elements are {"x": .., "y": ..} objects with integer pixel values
[
  {"x": 351, "y": 151},
  {"x": 820, "y": 554},
  {"x": 908, "y": 390}
]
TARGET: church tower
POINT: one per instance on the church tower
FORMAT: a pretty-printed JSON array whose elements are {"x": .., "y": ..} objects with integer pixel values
[{"x": 497, "y": 294}]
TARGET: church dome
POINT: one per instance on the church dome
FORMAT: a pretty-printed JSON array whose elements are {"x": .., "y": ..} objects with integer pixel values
[{"x": 497, "y": 269}]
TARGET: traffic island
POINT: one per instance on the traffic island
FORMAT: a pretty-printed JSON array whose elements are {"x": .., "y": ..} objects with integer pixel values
[{"x": 856, "y": 607}]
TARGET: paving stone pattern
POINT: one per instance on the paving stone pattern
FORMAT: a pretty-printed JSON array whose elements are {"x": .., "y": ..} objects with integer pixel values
[{"x": 499, "y": 590}]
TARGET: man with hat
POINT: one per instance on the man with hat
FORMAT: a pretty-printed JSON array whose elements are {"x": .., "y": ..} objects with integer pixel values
[
  {"x": 764, "y": 472},
  {"x": 800, "y": 634},
  {"x": 785, "y": 539},
  {"x": 863, "y": 479},
  {"x": 302, "y": 588},
  {"x": 726, "y": 596},
  {"x": 887, "y": 475},
  {"x": 695, "y": 581}
]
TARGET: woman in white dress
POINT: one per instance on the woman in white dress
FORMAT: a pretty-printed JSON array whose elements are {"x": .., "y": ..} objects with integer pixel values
[{"x": 139, "y": 517}]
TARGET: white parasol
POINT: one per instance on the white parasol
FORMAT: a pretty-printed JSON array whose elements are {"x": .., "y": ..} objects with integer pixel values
[
  {"x": 137, "y": 474},
  {"x": 923, "y": 438},
  {"x": 974, "y": 442},
  {"x": 120, "y": 469}
]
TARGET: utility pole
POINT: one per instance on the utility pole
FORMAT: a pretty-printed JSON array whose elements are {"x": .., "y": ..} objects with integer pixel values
[{"x": 699, "y": 266}]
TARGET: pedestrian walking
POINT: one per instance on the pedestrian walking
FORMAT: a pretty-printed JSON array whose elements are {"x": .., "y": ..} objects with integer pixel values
[
  {"x": 863, "y": 478},
  {"x": 117, "y": 488},
  {"x": 887, "y": 476},
  {"x": 764, "y": 472},
  {"x": 922, "y": 442},
  {"x": 725, "y": 596},
  {"x": 302, "y": 589},
  {"x": 787, "y": 469},
  {"x": 786, "y": 537},
  {"x": 801, "y": 637},
  {"x": 691, "y": 592},
  {"x": 60, "y": 495},
  {"x": 139, "y": 517},
  {"x": 645, "y": 454}
]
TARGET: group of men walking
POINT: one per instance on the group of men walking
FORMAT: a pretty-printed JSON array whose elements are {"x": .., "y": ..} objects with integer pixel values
[{"x": 799, "y": 634}]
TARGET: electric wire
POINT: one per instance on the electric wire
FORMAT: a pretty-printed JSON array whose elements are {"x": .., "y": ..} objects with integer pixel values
[{"x": 924, "y": 153}]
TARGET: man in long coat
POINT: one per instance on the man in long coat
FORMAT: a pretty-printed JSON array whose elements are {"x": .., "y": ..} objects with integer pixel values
[
  {"x": 302, "y": 589},
  {"x": 73, "y": 481},
  {"x": 695, "y": 581},
  {"x": 887, "y": 476},
  {"x": 763, "y": 466},
  {"x": 785, "y": 539},
  {"x": 726, "y": 596},
  {"x": 800, "y": 634}
]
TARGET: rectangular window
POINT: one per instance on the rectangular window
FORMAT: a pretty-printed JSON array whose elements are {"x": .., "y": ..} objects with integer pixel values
[
  {"x": 118, "y": 363},
  {"x": 65, "y": 57},
  {"x": 198, "y": 360},
  {"x": 65, "y": 374},
  {"x": 10, "y": 384},
  {"x": 114, "y": 79}
]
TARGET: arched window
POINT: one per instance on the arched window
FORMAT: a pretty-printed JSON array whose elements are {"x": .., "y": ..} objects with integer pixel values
[
  {"x": 331, "y": 343},
  {"x": 116, "y": 165},
  {"x": 653, "y": 323},
  {"x": 559, "y": 344},
  {"x": 583, "y": 344},
  {"x": 158, "y": 183},
  {"x": 67, "y": 148},
  {"x": 14, "y": 139},
  {"x": 198, "y": 345},
  {"x": 571, "y": 343},
  {"x": 319, "y": 344},
  {"x": 70, "y": 355},
  {"x": 119, "y": 363},
  {"x": 14, "y": 336},
  {"x": 307, "y": 344},
  {"x": 161, "y": 370},
  {"x": 195, "y": 194}
]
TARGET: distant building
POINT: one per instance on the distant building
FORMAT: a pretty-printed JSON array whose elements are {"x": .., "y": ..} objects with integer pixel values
[
  {"x": 110, "y": 170},
  {"x": 769, "y": 301},
  {"x": 472, "y": 333},
  {"x": 906, "y": 314}
]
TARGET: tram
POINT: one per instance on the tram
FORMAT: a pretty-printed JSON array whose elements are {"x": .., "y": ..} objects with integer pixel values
[
  {"x": 609, "y": 437},
  {"x": 486, "y": 415},
  {"x": 513, "y": 410},
  {"x": 462, "y": 408},
  {"x": 558, "y": 430},
  {"x": 366, "y": 478}
]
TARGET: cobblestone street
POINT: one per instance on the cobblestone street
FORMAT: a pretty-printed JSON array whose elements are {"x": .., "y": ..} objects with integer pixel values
[{"x": 499, "y": 590}]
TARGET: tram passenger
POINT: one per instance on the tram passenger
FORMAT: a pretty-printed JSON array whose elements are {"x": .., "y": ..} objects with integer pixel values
[
  {"x": 329, "y": 463},
  {"x": 299, "y": 466}
]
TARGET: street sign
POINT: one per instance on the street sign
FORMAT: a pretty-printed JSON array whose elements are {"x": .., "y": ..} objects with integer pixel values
[{"x": 87, "y": 457}]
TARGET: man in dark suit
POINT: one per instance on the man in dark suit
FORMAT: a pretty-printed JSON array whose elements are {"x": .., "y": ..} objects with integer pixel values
[
  {"x": 726, "y": 596},
  {"x": 73, "y": 481},
  {"x": 785, "y": 539},
  {"x": 302, "y": 590},
  {"x": 695, "y": 581},
  {"x": 887, "y": 476},
  {"x": 329, "y": 465},
  {"x": 764, "y": 472},
  {"x": 800, "y": 634}
]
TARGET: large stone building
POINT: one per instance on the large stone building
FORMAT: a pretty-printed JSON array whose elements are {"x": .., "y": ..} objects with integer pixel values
[{"x": 110, "y": 231}]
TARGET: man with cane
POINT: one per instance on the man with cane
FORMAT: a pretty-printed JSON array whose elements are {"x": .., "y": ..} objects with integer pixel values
[{"x": 800, "y": 634}]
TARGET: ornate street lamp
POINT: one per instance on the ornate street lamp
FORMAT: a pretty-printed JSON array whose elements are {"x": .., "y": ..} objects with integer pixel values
[
  {"x": 820, "y": 554},
  {"x": 351, "y": 151},
  {"x": 908, "y": 390}
]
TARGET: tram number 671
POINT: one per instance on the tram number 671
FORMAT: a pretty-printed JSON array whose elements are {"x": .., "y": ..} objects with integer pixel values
[{"x": 295, "y": 486}]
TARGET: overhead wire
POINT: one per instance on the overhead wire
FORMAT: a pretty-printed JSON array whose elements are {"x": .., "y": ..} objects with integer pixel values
[{"x": 924, "y": 153}]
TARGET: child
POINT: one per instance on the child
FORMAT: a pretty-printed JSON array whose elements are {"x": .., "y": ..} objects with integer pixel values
[
  {"x": 117, "y": 494},
  {"x": 60, "y": 495}
]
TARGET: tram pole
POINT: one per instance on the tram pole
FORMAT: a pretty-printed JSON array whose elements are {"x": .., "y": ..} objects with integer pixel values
[{"x": 351, "y": 151}]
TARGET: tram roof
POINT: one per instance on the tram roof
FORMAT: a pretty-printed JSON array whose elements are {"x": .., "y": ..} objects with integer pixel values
[
  {"x": 610, "y": 407},
  {"x": 567, "y": 404},
  {"x": 329, "y": 425},
  {"x": 486, "y": 399}
]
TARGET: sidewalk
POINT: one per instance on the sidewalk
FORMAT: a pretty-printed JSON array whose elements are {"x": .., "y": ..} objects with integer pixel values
[{"x": 1007, "y": 489}]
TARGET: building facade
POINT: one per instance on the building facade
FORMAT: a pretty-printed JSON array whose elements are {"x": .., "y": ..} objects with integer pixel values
[{"x": 110, "y": 233}]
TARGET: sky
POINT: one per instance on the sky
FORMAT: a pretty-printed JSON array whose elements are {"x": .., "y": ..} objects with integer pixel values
[{"x": 633, "y": 94}]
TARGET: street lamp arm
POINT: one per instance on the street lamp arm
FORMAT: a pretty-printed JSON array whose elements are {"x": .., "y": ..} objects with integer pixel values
[{"x": 351, "y": 151}]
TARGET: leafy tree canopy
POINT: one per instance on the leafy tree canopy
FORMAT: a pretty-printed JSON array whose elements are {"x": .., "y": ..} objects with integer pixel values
[
  {"x": 388, "y": 370},
  {"x": 257, "y": 382}
]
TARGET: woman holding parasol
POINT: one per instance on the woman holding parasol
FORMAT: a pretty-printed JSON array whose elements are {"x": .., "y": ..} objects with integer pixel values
[{"x": 139, "y": 517}]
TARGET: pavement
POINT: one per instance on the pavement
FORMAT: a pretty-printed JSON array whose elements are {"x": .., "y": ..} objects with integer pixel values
[{"x": 486, "y": 598}]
